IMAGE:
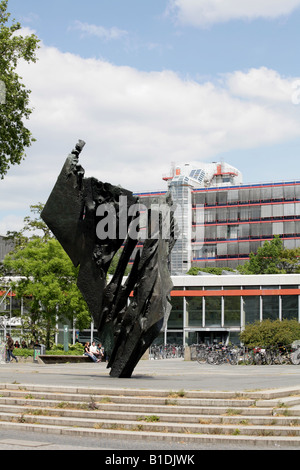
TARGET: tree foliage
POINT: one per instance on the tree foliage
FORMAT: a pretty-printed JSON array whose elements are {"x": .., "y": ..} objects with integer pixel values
[
  {"x": 14, "y": 136},
  {"x": 194, "y": 271},
  {"x": 270, "y": 333},
  {"x": 48, "y": 278},
  {"x": 272, "y": 258}
]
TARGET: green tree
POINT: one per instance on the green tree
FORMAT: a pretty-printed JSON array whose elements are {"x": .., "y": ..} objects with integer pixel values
[
  {"x": 272, "y": 258},
  {"x": 48, "y": 280},
  {"x": 14, "y": 136},
  {"x": 217, "y": 271},
  {"x": 270, "y": 333}
]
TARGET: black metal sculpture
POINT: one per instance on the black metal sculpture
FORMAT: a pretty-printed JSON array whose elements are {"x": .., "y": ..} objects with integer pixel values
[{"x": 129, "y": 315}]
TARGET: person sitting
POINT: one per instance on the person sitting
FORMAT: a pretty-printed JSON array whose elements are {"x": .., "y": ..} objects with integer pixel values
[
  {"x": 87, "y": 352},
  {"x": 94, "y": 350},
  {"x": 101, "y": 352}
]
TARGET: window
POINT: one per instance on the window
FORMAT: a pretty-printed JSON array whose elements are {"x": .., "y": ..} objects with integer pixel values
[
  {"x": 232, "y": 196},
  {"x": 277, "y": 193},
  {"x": 194, "y": 307},
  {"x": 270, "y": 307},
  {"x": 289, "y": 192},
  {"x": 266, "y": 211},
  {"x": 211, "y": 198},
  {"x": 266, "y": 194},
  {"x": 212, "y": 311},
  {"x": 233, "y": 214},
  {"x": 232, "y": 311},
  {"x": 254, "y": 194},
  {"x": 244, "y": 195},
  {"x": 277, "y": 228},
  {"x": 289, "y": 210},
  {"x": 290, "y": 307},
  {"x": 210, "y": 215},
  {"x": 251, "y": 307},
  {"x": 244, "y": 213},
  {"x": 176, "y": 315},
  {"x": 277, "y": 210},
  {"x": 222, "y": 198}
]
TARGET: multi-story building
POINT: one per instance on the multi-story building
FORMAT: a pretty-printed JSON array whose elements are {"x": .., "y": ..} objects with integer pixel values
[{"x": 221, "y": 220}]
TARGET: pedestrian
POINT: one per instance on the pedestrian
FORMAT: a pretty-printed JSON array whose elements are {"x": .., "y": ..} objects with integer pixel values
[{"x": 10, "y": 348}]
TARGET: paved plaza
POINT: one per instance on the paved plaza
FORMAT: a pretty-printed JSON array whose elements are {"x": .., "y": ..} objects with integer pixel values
[{"x": 166, "y": 374}]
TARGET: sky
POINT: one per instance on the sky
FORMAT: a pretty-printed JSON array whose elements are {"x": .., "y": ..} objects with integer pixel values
[{"x": 150, "y": 83}]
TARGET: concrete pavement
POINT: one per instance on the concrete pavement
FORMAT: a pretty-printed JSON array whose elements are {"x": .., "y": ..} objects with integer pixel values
[{"x": 166, "y": 374}]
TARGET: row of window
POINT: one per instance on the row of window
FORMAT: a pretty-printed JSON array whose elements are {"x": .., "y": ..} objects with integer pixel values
[
  {"x": 247, "y": 195},
  {"x": 204, "y": 312},
  {"x": 231, "y": 214},
  {"x": 246, "y": 231},
  {"x": 233, "y": 249}
]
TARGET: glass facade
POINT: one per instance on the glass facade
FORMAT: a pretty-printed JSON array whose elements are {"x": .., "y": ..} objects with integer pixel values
[
  {"x": 238, "y": 220},
  {"x": 221, "y": 311}
]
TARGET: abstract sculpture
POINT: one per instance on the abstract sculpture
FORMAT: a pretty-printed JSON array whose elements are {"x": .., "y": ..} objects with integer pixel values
[{"x": 128, "y": 315}]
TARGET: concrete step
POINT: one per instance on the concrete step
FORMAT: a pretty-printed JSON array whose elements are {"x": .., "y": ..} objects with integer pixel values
[
  {"x": 118, "y": 408},
  {"x": 114, "y": 417},
  {"x": 270, "y": 394},
  {"x": 169, "y": 400},
  {"x": 240, "y": 428},
  {"x": 123, "y": 413},
  {"x": 225, "y": 418}
]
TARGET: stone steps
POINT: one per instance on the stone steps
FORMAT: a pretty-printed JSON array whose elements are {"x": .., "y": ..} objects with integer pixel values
[{"x": 270, "y": 417}]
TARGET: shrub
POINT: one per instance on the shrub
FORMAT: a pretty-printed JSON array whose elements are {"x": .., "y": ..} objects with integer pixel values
[
  {"x": 76, "y": 349},
  {"x": 23, "y": 352},
  {"x": 270, "y": 333}
]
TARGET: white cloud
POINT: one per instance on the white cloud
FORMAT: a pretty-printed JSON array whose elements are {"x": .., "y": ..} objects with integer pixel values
[
  {"x": 262, "y": 83},
  {"x": 11, "y": 223},
  {"x": 136, "y": 123},
  {"x": 101, "y": 32},
  {"x": 207, "y": 12}
]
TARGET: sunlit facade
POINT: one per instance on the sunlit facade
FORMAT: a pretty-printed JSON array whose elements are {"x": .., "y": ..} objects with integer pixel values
[
  {"x": 221, "y": 220},
  {"x": 207, "y": 308}
]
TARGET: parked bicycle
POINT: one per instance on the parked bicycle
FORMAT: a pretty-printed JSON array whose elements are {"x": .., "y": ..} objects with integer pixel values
[
  {"x": 166, "y": 351},
  {"x": 216, "y": 354}
]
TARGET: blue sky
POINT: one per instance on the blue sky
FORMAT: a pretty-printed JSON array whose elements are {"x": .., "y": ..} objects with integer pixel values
[
  {"x": 153, "y": 39},
  {"x": 148, "y": 83}
]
